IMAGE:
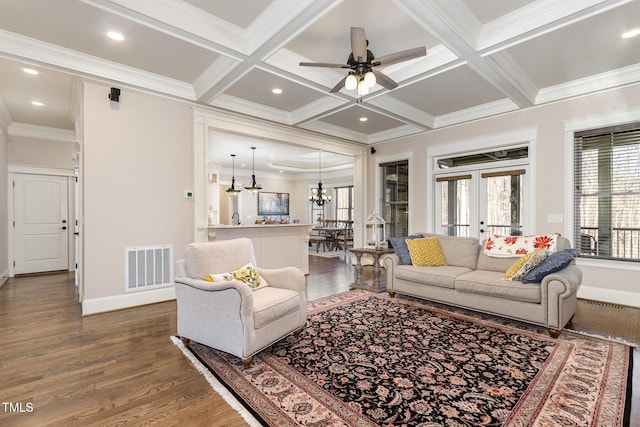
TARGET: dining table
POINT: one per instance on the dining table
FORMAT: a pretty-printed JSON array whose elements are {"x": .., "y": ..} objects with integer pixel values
[{"x": 331, "y": 234}]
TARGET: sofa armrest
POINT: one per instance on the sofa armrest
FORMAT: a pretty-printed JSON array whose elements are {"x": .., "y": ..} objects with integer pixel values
[
  {"x": 389, "y": 262},
  {"x": 559, "y": 291},
  {"x": 286, "y": 277}
]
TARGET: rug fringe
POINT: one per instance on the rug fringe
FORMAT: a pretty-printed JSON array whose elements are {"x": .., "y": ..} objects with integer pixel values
[
  {"x": 217, "y": 385},
  {"x": 611, "y": 338}
]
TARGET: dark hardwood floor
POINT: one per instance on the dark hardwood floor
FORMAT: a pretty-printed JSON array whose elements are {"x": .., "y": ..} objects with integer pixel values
[{"x": 58, "y": 368}]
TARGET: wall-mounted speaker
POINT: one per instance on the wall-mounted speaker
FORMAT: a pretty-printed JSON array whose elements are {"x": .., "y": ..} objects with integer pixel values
[
  {"x": 373, "y": 150},
  {"x": 114, "y": 96}
]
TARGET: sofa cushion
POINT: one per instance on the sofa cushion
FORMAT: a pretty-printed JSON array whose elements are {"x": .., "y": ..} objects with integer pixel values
[
  {"x": 458, "y": 251},
  {"x": 435, "y": 276},
  {"x": 425, "y": 252},
  {"x": 488, "y": 263},
  {"x": 554, "y": 262},
  {"x": 400, "y": 248},
  {"x": 271, "y": 303},
  {"x": 525, "y": 264},
  {"x": 490, "y": 283}
]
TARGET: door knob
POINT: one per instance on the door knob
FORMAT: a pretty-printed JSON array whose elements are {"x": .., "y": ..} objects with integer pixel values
[
  {"x": 64, "y": 227},
  {"x": 482, "y": 230}
]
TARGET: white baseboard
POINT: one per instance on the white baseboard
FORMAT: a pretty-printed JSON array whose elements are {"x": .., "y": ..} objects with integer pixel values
[
  {"x": 128, "y": 300},
  {"x": 631, "y": 299},
  {"x": 4, "y": 277}
]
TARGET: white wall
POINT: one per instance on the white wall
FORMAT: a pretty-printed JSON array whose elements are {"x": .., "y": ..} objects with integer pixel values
[
  {"x": 615, "y": 284},
  {"x": 33, "y": 152},
  {"x": 4, "y": 219},
  {"x": 137, "y": 161}
]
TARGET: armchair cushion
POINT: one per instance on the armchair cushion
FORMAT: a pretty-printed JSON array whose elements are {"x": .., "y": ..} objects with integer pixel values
[
  {"x": 272, "y": 303},
  {"x": 203, "y": 258}
]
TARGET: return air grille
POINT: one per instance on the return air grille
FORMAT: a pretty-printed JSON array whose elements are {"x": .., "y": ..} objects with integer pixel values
[{"x": 148, "y": 267}]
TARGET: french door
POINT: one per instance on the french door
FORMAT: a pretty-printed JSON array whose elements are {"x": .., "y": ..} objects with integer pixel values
[{"x": 482, "y": 202}]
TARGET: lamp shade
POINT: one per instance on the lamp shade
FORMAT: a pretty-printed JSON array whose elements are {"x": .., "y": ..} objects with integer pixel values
[{"x": 351, "y": 82}]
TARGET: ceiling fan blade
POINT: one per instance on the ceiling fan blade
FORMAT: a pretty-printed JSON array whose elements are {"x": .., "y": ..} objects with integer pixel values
[
  {"x": 339, "y": 86},
  {"x": 384, "y": 81},
  {"x": 358, "y": 44},
  {"x": 401, "y": 56},
  {"x": 323, "y": 64}
]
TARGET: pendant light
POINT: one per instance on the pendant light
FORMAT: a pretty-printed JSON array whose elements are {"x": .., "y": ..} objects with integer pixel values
[
  {"x": 232, "y": 191},
  {"x": 254, "y": 187},
  {"x": 319, "y": 196}
]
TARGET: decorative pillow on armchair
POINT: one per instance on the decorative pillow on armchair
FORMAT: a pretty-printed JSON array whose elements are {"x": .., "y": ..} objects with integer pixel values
[
  {"x": 246, "y": 274},
  {"x": 400, "y": 248}
]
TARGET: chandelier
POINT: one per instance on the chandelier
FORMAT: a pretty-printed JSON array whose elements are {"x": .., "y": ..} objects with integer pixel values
[
  {"x": 232, "y": 191},
  {"x": 319, "y": 195},
  {"x": 254, "y": 187}
]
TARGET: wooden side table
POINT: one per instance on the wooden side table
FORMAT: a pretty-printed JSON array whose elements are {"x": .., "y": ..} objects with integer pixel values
[{"x": 378, "y": 283}]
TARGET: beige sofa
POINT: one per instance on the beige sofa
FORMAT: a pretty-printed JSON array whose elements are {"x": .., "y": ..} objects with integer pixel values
[{"x": 472, "y": 280}]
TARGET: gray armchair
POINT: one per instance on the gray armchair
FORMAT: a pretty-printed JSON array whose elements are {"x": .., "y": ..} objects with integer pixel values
[{"x": 229, "y": 315}]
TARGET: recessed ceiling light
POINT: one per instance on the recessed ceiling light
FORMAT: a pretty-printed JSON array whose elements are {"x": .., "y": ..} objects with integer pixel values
[
  {"x": 114, "y": 35},
  {"x": 37, "y": 103},
  {"x": 30, "y": 71},
  {"x": 276, "y": 91},
  {"x": 363, "y": 119},
  {"x": 631, "y": 33}
]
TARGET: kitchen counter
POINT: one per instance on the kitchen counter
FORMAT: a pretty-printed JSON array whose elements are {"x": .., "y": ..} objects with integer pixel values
[{"x": 275, "y": 245}]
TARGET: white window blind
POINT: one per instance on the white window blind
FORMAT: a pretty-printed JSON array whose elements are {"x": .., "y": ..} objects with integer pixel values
[{"x": 607, "y": 193}]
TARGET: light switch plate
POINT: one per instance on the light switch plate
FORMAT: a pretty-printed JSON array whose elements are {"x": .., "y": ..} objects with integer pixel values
[{"x": 554, "y": 218}]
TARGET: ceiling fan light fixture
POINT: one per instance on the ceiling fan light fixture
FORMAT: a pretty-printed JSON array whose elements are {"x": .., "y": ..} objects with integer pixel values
[
  {"x": 363, "y": 88},
  {"x": 351, "y": 82},
  {"x": 370, "y": 79}
]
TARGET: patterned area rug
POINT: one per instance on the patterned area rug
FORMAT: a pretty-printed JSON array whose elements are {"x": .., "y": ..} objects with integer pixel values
[{"x": 366, "y": 360}]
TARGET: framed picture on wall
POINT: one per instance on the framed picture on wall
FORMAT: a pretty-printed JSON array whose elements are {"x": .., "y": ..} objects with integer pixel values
[{"x": 273, "y": 203}]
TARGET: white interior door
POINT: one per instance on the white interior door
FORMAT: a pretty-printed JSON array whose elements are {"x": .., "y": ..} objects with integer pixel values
[{"x": 40, "y": 223}]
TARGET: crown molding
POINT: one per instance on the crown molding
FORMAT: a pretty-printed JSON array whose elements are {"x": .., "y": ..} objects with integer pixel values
[
  {"x": 242, "y": 106},
  {"x": 80, "y": 64},
  {"x": 25, "y": 130},
  {"x": 398, "y": 110},
  {"x": 337, "y": 131},
  {"x": 316, "y": 109},
  {"x": 394, "y": 133},
  {"x": 182, "y": 20},
  {"x": 474, "y": 113},
  {"x": 608, "y": 80},
  {"x": 538, "y": 18},
  {"x": 204, "y": 85}
]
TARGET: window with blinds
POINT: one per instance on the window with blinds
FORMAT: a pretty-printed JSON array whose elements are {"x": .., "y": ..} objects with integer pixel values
[
  {"x": 345, "y": 203},
  {"x": 607, "y": 193},
  {"x": 394, "y": 197}
]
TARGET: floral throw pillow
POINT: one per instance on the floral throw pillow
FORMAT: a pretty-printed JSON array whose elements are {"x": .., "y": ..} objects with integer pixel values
[
  {"x": 246, "y": 274},
  {"x": 509, "y": 246}
]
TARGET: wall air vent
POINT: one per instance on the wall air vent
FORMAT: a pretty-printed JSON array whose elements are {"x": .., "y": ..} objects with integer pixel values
[{"x": 148, "y": 267}]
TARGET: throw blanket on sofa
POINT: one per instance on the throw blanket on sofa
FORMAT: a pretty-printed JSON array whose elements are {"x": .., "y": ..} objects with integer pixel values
[{"x": 510, "y": 246}]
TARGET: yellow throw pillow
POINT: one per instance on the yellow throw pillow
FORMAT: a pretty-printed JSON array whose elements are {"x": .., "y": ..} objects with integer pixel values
[
  {"x": 525, "y": 264},
  {"x": 246, "y": 274},
  {"x": 425, "y": 252}
]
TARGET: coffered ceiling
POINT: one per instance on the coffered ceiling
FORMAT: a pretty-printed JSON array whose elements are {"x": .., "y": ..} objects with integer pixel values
[{"x": 483, "y": 57}]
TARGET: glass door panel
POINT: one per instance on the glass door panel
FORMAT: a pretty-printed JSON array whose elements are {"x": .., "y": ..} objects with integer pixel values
[{"x": 481, "y": 203}]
